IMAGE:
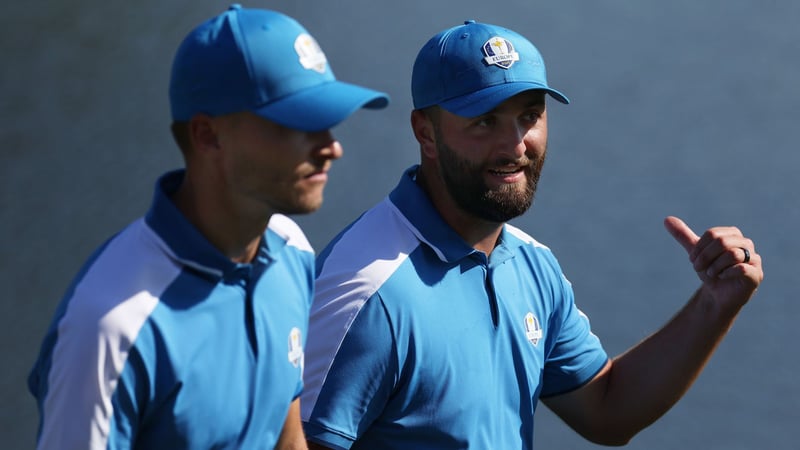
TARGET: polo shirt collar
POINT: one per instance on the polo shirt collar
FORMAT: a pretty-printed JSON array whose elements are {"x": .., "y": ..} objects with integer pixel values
[
  {"x": 426, "y": 222},
  {"x": 185, "y": 242}
]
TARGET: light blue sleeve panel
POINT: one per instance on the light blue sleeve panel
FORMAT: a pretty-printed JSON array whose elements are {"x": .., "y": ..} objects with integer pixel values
[
  {"x": 360, "y": 380},
  {"x": 573, "y": 354},
  {"x": 129, "y": 401},
  {"x": 576, "y": 354},
  {"x": 351, "y": 361}
]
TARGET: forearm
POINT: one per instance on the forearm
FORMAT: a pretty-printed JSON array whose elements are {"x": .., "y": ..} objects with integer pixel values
[
  {"x": 639, "y": 386},
  {"x": 646, "y": 381}
]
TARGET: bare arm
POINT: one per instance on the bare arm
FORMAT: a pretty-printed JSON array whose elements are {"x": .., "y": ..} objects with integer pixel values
[
  {"x": 292, "y": 437},
  {"x": 639, "y": 386}
]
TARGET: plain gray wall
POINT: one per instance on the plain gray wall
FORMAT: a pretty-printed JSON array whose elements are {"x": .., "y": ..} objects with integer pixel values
[{"x": 686, "y": 108}]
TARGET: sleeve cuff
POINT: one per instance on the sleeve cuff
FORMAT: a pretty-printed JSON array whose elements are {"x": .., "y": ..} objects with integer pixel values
[{"x": 328, "y": 438}]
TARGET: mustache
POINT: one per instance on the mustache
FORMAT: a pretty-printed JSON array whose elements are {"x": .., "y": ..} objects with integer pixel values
[{"x": 520, "y": 162}]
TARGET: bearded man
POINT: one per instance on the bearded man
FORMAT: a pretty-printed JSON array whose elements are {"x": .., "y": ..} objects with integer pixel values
[{"x": 437, "y": 325}]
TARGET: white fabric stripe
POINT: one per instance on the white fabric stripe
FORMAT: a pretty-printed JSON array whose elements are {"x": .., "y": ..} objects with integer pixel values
[
  {"x": 414, "y": 230},
  {"x": 101, "y": 323},
  {"x": 523, "y": 236},
  {"x": 289, "y": 230},
  {"x": 360, "y": 262}
]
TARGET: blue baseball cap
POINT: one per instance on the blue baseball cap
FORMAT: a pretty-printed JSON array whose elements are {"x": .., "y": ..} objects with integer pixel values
[
  {"x": 470, "y": 69},
  {"x": 264, "y": 62}
]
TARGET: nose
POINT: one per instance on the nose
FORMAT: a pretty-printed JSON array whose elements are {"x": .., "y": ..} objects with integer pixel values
[
  {"x": 513, "y": 140},
  {"x": 336, "y": 150},
  {"x": 329, "y": 148}
]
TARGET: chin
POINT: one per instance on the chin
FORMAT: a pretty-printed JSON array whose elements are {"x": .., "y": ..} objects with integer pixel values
[{"x": 304, "y": 206}]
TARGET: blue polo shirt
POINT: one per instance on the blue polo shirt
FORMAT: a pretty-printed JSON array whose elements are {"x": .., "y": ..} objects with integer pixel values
[
  {"x": 418, "y": 341},
  {"x": 162, "y": 342}
]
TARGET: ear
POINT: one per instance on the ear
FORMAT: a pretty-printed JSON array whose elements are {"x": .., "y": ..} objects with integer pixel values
[
  {"x": 203, "y": 133},
  {"x": 424, "y": 132}
]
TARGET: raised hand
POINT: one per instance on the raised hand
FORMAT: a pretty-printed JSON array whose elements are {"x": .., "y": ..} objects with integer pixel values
[{"x": 724, "y": 259}]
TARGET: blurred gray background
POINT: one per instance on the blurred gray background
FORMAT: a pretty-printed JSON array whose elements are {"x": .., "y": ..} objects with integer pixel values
[{"x": 678, "y": 108}]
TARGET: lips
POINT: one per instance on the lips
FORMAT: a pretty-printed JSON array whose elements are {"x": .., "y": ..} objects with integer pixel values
[
  {"x": 319, "y": 171},
  {"x": 318, "y": 176},
  {"x": 512, "y": 174},
  {"x": 503, "y": 172}
]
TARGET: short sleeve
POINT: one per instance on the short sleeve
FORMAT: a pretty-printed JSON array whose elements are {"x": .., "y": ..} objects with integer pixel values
[
  {"x": 576, "y": 354},
  {"x": 345, "y": 396}
]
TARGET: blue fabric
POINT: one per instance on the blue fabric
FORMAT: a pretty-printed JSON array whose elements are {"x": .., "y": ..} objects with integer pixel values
[
  {"x": 162, "y": 342},
  {"x": 471, "y": 68},
  {"x": 419, "y": 341},
  {"x": 262, "y": 61}
]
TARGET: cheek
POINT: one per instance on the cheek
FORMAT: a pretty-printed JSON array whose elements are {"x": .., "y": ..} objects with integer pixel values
[{"x": 278, "y": 154}]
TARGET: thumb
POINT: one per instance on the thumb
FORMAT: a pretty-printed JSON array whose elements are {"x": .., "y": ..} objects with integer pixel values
[{"x": 681, "y": 232}]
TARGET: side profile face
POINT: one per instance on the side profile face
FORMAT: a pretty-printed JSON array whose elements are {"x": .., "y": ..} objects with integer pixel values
[
  {"x": 268, "y": 165},
  {"x": 490, "y": 164}
]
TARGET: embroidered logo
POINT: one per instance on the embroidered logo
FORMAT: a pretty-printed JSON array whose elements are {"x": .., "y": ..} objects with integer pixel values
[
  {"x": 500, "y": 52},
  {"x": 533, "y": 330},
  {"x": 295, "y": 347},
  {"x": 310, "y": 54}
]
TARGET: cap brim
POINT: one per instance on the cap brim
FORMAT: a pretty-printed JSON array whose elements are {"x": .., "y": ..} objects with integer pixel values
[
  {"x": 322, "y": 107},
  {"x": 485, "y": 100}
]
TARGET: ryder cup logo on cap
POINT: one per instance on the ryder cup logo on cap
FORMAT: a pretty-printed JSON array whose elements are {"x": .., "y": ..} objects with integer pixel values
[
  {"x": 500, "y": 52},
  {"x": 470, "y": 69},
  {"x": 311, "y": 55},
  {"x": 264, "y": 62}
]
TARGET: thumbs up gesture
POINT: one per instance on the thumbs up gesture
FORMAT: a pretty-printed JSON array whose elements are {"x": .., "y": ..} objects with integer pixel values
[{"x": 724, "y": 259}]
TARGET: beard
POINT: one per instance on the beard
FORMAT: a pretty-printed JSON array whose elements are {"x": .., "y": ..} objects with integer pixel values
[{"x": 464, "y": 182}]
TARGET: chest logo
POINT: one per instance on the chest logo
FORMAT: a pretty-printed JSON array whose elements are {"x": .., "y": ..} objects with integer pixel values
[
  {"x": 533, "y": 329},
  {"x": 295, "y": 347}
]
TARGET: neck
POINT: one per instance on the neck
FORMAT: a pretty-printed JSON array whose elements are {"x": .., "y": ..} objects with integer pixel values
[
  {"x": 480, "y": 234},
  {"x": 229, "y": 228}
]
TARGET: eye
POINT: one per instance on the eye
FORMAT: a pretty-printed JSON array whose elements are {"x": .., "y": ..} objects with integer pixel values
[
  {"x": 483, "y": 122},
  {"x": 532, "y": 116}
]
